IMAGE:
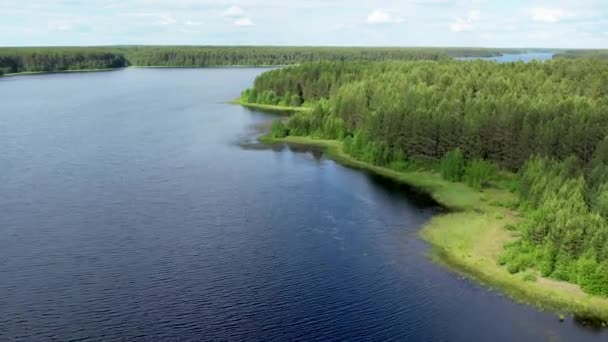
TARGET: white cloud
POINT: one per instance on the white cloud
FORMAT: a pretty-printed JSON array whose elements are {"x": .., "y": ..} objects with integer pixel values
[
  {"x": 241, "y": 18},
  {"x": 234, "y": 12},
  {"x": 467, "y": 23},
  {"x": 547, "y": 15},
  {"x": 243, "y": 22},
  {"x": 380, "y": 16},
  {"x": 336, "y": 22}
]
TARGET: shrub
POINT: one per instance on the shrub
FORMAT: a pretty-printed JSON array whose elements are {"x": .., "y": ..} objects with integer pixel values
[
  {"x": 478, "y": 173},
  {"x": 278, "y": 129},
  {"x": 453, "y": 166}
]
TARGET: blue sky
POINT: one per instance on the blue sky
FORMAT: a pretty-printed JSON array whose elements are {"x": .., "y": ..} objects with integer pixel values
[{"x": 508, "y": 23}]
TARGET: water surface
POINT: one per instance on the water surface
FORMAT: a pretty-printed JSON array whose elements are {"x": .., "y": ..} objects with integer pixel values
[
  {"x": 512, "y": 57},
  {"x": 134, "y": 208}
]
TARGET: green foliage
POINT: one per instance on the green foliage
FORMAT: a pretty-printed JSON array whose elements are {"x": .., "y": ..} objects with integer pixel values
[
  {"x": 529, "y": 276},
  {"x": 453, "y": 166},
  {"x": 498, "y": 113},
  {"x": 278, "y": 129},
  {"x": 31, "y": 59},
  {"x": 599, "y": 199},
  {"x": 479, "y": 173},
  {"x": 565, "y": 235},
  {"x": 250, "y": 95},
  {"x": 546, "y": 120},
  {"x": 14, "y": 60},
  {"x": 599, "y": 54}
]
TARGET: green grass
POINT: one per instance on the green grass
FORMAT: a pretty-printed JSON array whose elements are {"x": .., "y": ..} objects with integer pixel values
[
  {"x": 270, "y": 107},
  {"x": 470, "y": 238}
]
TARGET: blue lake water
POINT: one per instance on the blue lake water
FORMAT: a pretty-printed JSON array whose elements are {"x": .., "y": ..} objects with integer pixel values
[
  {"x": 524, "y": 57},
  {"x": 135, "y": 206}
]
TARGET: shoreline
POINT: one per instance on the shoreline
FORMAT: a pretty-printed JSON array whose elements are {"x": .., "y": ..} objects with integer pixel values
[
  {"x": 235, "y": 66},
  {"x": 273, "y": 108},
  {"x": 28, "y": 73},
  {"x": 33, "y": 73},
  {"x": 469, "y": 238}
]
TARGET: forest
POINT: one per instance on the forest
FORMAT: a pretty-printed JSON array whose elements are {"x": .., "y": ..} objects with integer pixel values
[
  {"x": 475, "y": 122},
  {"x": 41, "y": 59},
  {"x": 16, "y": 60},
  {"x": 598, "y": 54}
]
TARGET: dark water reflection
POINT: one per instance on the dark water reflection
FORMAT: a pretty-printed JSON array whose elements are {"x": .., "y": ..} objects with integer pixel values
[{"x": 131, "y": 211}]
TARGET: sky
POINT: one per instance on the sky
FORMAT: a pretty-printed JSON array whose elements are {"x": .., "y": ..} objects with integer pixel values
[{"x": 487, "y": 23}]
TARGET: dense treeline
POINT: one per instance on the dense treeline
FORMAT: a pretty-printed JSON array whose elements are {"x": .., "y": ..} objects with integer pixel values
[
  {"x": 565, "y": 229},
  {"x": 599, "y": 54},
  {"x": 546, "y": 120},
  {"x": 498, "y": 112},
  {"x": 13, "y": 60},
  {"x": 271, "y": 55},
  {"x": 217, "y": 56}
]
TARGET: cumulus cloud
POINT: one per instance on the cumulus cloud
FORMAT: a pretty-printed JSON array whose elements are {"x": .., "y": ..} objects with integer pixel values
[
  {"x": 234, "y": 12},
  {"x": 467, "y": 23},
  {"x": 547, "y": 15},
  {"x": 241, "y": 18},
  {"x": 243, "y": 22},
  {"x": 380, "y": 16},
  {"x": 193, "y": 23}
]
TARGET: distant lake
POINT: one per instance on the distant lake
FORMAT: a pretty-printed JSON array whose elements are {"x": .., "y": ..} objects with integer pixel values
[
  {"x": 524, "y": 57},
  {"x": 136, "y": 205}
]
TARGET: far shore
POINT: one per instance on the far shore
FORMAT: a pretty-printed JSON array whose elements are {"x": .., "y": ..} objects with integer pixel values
[{"x": 25, "y": 73}]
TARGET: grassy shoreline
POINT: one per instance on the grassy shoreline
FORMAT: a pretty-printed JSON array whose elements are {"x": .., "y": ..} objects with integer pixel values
[
  {"x": 470, "y": 238},
  {"x": 270, "y": 107}
]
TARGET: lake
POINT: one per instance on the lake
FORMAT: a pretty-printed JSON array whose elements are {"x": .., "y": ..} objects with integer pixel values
[
  {"x": 513, "y": 57},
  {"x": 136, "y": 205}
]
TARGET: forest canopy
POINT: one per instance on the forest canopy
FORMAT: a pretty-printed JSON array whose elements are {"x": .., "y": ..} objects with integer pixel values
[
  {"x": 599, "y": 54},
  {"x": 15, "y": 60},
  {"x": 547, "y": 121}
]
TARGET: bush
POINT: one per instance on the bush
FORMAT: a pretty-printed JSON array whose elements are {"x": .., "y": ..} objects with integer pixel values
[
  {"x": 478, "y": 173},
  {"x": 453, "y": 166},
  {"x": 278, "y": 129},
  {"x": 529, "y": 276},
  {"x": 295, "y": 101}
]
